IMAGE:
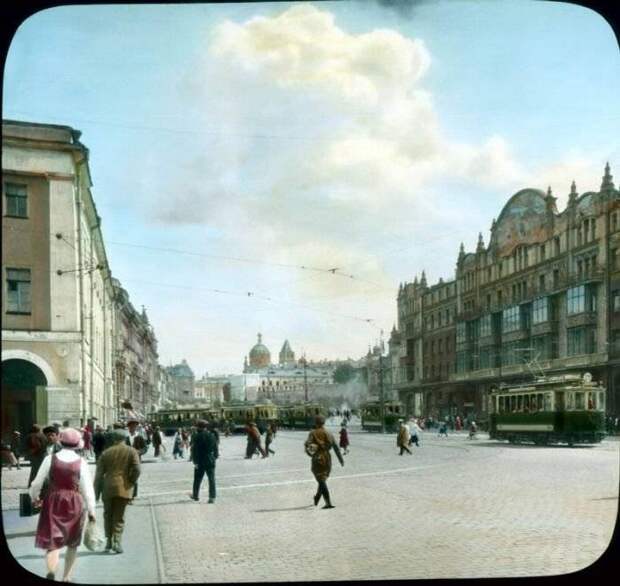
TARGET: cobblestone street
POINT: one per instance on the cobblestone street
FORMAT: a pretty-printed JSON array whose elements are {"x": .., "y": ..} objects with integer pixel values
[{"x": 456, "y": 508}]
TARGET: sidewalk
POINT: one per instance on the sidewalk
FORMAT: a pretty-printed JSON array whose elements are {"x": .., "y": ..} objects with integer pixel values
[{"x": 139, "y": 564}]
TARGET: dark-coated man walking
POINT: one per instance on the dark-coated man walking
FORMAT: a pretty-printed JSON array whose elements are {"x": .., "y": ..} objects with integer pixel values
[{"x": 203, "y": 453}]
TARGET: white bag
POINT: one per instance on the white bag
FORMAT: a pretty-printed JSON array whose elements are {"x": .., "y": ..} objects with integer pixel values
[{"x": 94, "y": 539}]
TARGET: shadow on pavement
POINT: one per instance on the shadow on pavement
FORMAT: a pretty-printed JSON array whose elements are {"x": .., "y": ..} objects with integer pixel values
[
  {"x": 288, "y": 509},
  {"x": 24, "y": 534},
  {"x": 507, "y": 445}
]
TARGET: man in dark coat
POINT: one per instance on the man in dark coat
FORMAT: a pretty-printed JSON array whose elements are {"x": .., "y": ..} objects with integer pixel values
[
  {"x": 203, "y": 453},
  {"x": 157, "y": 441},
  {"x": 98, "y": 442}
]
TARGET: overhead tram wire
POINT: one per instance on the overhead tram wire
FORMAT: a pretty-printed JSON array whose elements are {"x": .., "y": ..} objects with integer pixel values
[
  {"x": 334, "y": 270},
  {"x": 248, "y": 294}
]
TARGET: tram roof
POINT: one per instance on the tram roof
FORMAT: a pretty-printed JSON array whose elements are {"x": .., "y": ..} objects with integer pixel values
[{"x": 566, "y": 380}]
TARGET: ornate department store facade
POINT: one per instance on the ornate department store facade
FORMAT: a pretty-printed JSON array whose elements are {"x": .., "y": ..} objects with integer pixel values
[{"x": 543, "y": 296}]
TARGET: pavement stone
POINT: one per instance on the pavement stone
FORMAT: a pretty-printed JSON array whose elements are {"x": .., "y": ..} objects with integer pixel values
[{"x": 456, "y": 508}]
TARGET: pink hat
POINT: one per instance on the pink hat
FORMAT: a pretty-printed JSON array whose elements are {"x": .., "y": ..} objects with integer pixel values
[{"x": 70, "y": 438}]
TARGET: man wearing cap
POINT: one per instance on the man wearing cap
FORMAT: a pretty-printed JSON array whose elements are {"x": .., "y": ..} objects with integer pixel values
[
  {"x": 203, "y": 453},
  {"x": 52, "y": 434},
  {"x": 118, "y": 469},
  {"x": 136, "y": 441}
]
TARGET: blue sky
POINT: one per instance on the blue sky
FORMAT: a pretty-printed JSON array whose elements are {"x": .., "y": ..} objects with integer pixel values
[{"x": 333, "y": 134}]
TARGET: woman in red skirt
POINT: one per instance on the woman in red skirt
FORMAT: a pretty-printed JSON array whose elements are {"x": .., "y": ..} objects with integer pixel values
[{"x": 69, "y": 495}]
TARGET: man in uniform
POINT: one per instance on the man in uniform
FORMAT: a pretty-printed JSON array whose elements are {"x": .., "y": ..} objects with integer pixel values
[
  {"x": 317, "y": 446},
  {"x": 203, "y": 453},
  {"x": 118, "y": 469}
]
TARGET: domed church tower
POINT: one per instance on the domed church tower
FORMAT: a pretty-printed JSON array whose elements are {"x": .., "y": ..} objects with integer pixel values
[{"x": 259, "y": 355}]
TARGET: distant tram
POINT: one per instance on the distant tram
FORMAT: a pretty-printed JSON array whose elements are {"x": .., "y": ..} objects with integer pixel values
[
  {"x": 371, "y": 415},
  {"x": 563, "y": 409},
  {"x": 170, "y": 420}
]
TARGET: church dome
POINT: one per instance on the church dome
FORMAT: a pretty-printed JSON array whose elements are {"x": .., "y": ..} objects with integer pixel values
[{"x": 260, "y": 355}]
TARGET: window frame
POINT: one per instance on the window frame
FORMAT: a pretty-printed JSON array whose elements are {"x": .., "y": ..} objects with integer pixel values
[
  {"x": 26, "y": 308},
  {"x": 18, "y": 199}
]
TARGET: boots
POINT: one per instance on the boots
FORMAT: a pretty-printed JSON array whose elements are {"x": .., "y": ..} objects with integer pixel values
[
  {"x": 108, "y": 544},
  {"x": 116, "y": 544}
]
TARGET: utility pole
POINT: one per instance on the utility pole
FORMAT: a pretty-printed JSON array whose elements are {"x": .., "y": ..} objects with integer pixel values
[
  {"x": 381, "y": 390},
  {"x": 305, "y": 378}
]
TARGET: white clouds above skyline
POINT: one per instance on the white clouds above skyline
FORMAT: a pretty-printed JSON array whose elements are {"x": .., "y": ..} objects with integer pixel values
[{"x": 313, "y": 135}]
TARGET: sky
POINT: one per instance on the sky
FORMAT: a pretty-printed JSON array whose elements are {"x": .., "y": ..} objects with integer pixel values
[{"x": 242, "y": 152}]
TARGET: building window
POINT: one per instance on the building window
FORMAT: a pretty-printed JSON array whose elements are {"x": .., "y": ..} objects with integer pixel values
[
  {"x": 460, "y": 332},
  {"x": 485, "y": 326},
  {"x": 16, "y": 200},
  {"x": 542, "y": 252},
  {"x": 580, "y": 299},
  {"x": 18, "y": 293},
  {"x": 581, "y": 340},
  {"x": 556, "y": 244},
  {"x": 510, "y": 319},
  {"x": 616, "y": 301},
  {"x": 540, "y": 310},
  {"x": 614, "y": 259},
  {"x": 556, "y": 278},
  {"x": 614, "y": 221}
]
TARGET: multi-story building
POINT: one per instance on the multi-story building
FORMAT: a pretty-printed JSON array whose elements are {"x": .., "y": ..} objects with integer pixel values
[
  {"x": 290, "y": 380},
  {"x": 57, "y": 310},
  {"x": 544, "y": 296},
  {"x": 182, "y": 381},
  {"x": 137, "y": 369},
  {"x": 211, "y": 389}
]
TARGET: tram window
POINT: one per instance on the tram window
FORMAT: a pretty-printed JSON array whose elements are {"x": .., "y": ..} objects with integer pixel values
[
  {"x": 520, "y": 403},
  {"x": 526, "y": 403},
  {"x": 601, "y": 401},
  {"x": 547, "y": 401},
  {"x": 513, "y": 404},
  {"x": 579, "y": 401},
  {"x": 591, "y": 401}
]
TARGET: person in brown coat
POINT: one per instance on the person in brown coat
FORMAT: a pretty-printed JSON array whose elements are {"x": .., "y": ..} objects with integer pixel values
[
  {"x": 36, "y": 443},
  {"x": 118, "y": 469},
  {"x": 318, "y": 444}
]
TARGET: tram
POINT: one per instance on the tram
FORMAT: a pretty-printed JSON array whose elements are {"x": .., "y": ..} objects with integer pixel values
[
  {"x": 562, "y": 409},
  {"x": 301, "y": 416},
  {"x": 371, "y": 415},
  {"x": 170, "y": 420}
]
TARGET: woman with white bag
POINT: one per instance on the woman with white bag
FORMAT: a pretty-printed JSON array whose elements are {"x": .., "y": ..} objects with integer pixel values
[{"x": 69, "y": 495}]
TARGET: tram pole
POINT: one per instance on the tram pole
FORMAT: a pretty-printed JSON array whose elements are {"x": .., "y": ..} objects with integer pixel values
[
  {"x": 305, "y": 380},
  {"x": 381, "y": 393}
]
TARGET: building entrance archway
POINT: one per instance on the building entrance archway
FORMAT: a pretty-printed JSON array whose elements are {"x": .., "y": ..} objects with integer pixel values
[{"x": 24, "y": 397}]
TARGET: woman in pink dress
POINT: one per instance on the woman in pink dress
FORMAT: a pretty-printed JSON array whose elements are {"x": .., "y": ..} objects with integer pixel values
[{"x": 69, "y": 495}]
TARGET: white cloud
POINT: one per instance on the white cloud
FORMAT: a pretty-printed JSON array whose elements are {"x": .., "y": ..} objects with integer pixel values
[{"x": 355, "y": 145}]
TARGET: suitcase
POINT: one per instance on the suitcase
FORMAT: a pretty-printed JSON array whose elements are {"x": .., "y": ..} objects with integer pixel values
[{"x": 26, "y": 508}]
